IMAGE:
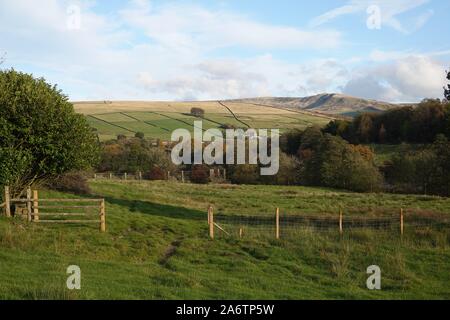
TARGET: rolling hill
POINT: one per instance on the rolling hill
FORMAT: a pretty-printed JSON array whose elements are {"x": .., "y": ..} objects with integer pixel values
[
  {"x": 157, "y": 120},
  {"x": 332, "y": 104}
]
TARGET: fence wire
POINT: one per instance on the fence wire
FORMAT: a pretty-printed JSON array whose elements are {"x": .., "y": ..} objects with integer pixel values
[{"x": 291, "y": 225}]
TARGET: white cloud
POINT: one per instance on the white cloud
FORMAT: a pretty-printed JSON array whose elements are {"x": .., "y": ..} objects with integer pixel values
[
  {"x": 407, "y": 79},
  {"x": 193, "y": 27},
  {"x": 109, "y": 58}
]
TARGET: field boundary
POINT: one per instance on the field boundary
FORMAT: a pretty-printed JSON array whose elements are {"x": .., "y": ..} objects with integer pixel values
[
  {"x": 277, "y": 225},
  {"x": 291, "y": 109},
  {"x": 111, "y": 124},
  {"x": 233, "y": 114},
  {"x": 182, "y": 175},
  {"x": 146, "y": 122}
]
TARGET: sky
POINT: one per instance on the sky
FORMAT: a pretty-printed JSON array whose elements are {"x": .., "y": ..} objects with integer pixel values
[{"x": 389, "y": 50}]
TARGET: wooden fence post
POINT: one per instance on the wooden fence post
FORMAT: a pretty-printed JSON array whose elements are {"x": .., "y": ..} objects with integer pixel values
[
  {"x": 125, "y": 175},
  {"x": 224, "y": 174},
  {"x": 140, "y": 175},
  {"x": 341, "y": 227},
  {"x": 168, "y": 175},
  {"x": 211, "y": 223},
  {"x": 401, "y": 222},
  {"x": 241, "y": 232},
  {"x": 277, "y": 223},
  {"x": 7, "y": 202},
  {"x": 110, "y": 176},
  {"x": 209, "y": 214},
  {"x": 95, "y": 176},
  {"x": 102, "y": 216},
  {"x": 182, "y": 176},
  {"x": 29, "y": 213},
  {"x": 35, "y": 206}
]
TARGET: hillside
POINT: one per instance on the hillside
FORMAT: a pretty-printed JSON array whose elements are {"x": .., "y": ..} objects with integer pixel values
[
  {"x": 159, "y": 119},
  {"x": 337, "y": 104},
  {"x": 157, "y": 247}
]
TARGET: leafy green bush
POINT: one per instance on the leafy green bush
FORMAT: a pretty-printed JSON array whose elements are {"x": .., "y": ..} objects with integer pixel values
[{"x": 41, "y": 136}]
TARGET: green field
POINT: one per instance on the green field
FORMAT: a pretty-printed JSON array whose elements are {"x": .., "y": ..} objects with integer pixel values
[
  {"x": 157, "y": 247},
  {"x": 158, "y": 120}
]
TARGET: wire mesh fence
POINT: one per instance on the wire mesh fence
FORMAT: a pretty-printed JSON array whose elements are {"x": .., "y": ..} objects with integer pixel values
[{"x": 290, "y": 225}]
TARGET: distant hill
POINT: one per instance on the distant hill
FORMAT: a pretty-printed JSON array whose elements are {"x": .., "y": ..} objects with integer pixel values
[{"x": 337, "y": 104}]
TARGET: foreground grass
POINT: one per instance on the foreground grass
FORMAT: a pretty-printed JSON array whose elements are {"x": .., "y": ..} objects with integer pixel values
[{"x": 157, "y": 247}]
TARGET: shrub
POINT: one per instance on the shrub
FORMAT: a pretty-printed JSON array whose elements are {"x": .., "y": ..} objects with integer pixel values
[
  {"x": 75, "y": 182},
  {"x": 139, "y": 135},
  {"x": 198, "y": 112},
  {"x": 156, "y": 173},
  {"x": 245, "y": 174},
  {"x": 41, "y": 136},
  {"x": 200, "y": 174}
]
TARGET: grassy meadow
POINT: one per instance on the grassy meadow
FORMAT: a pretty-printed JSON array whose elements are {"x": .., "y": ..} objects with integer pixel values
[
  {"x": 157, "y": 120},
  {"x": 157, "y": 247}
]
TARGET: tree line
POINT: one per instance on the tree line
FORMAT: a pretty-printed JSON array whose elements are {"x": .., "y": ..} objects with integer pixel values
[{"x": 409, "y": 124}]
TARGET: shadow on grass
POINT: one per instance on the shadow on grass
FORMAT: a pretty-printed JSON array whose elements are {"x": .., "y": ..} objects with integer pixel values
[{"x": 156, "y": 209}]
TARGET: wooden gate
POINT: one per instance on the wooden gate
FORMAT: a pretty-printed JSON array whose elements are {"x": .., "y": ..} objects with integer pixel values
[{"x": 79, "y": 211}]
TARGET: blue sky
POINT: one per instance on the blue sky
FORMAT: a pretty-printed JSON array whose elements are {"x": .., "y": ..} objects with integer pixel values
[{"x": 392, "y": 50}]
